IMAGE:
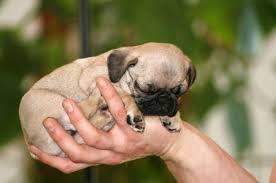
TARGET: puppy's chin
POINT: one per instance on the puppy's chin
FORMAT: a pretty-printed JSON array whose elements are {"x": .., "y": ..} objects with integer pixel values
[{"x": 159, "y": 104}]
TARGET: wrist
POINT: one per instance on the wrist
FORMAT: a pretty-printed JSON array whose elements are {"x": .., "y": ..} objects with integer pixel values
[
  {"x": 189, "y": 156},
  {"x": 193, "y": 157},
  {"x": 181, "y": 146}
]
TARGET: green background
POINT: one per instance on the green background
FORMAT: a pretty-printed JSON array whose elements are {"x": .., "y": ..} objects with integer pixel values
[{"x": 230, "y": 31}]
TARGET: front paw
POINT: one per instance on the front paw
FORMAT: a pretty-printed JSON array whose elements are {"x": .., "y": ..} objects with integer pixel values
[
  {"x": 136, "y": 121},
  {"x": 170, "y": 124}
]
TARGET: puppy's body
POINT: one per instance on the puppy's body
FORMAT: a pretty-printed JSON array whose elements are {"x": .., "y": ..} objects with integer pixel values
[{"x": 146, "y": 75}]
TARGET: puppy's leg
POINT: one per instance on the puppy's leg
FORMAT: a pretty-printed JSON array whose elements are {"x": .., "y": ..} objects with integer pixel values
[
  {"x": 96, "y": 111},
  {"x": 135, "y": 117},
  {"x": 102, "y": 118},
  {"x": 172, "y": 124}
]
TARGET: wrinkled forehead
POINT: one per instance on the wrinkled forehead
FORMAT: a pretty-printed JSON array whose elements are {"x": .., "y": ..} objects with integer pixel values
[
  {"x": 168, "y": 65},
  {"x": 162, "y": 53}
]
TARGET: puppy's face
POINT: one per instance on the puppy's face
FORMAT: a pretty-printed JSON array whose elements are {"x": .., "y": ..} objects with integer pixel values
[{"x": 156, "y": 74}]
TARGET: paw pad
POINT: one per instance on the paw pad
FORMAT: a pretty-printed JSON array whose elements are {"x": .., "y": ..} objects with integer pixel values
[{"x": 137, "y": 123}]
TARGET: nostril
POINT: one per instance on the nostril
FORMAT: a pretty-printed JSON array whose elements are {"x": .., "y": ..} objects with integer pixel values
[
  {"x": 163, "y": 101},
  {"x": 164, "y": 95}
]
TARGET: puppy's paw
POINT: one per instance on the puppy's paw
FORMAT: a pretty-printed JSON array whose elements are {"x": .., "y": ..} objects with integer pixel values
[
  {"x": 170, "y": 124},
  {"x": 136, "y": 121},
  {"x": 108, "y": 126}
]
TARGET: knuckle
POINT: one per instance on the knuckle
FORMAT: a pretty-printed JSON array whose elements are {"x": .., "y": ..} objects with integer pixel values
[
  {"x": 76, "y": 157},
  {"x": 93, "y": 142},
  {"x": 57, "y": 136},
  {"x": 44, "y": 159},
  {"x": 121, "y": 114},
  {"x": 76, "y": 116},
  {"x": 90, "y": 142},
  {"x": 67, "y": 169},
  {"x": 93, "y": 139},
  {"x": 115, "y": 160},
  {"x": 79, "y": 120},
  {"x": 122, "y": 143},
  {"x": 110, "y": 95},
  {"x": 122, "y": 147}
]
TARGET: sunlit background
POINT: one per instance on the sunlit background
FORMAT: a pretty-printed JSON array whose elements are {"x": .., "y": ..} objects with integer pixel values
[{"x": 232, "y": 44}]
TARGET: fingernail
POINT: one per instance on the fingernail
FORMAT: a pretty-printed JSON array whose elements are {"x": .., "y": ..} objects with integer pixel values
[
  {"x": 68, "y": 106},
  {"x": 34, "y": 151},
  {"x": 49, "y": 125}
]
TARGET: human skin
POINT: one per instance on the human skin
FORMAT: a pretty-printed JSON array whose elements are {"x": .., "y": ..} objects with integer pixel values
[
  {"x": 190, "y": 155},
  {"x": 273, "y": 174}
]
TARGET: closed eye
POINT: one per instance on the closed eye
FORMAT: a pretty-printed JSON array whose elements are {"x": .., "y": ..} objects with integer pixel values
[
  {"x": 178, "y": 90},
  {"x": 139, "y": 87}
]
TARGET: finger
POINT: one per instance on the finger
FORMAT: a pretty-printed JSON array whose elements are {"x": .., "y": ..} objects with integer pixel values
[
  {"x": 98, "y": 156},
  {"x": 69, "y": 146},
  {"x": 63, "y": 164},
  {"x": 95, "y": 157},
  {"x": 76, "y": 152},
  {"x": 88, "y": 132},
  {"x": 113, "y": 100}
]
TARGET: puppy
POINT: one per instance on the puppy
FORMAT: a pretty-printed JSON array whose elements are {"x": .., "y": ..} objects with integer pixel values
[{"x": 150, "y": 78}]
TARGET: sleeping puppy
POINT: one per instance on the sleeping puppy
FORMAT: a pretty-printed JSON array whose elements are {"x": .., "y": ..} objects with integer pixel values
[{"x": 150, "y": 78}]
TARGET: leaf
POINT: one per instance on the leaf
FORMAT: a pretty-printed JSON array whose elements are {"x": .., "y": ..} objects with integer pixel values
[
  {"x": 52, "y": 54},
  {"x": 65, "y": 9},
  {"x": 161, "y": 21},
  {"x": 198, "y": 102},
  {"x": 220, "y": 18},
  {"x": 267, "y": 14},
  {"x": 14, "y": 63},
  {"x": 238, "y": 120},
  {"x": 249, "y": 31}
]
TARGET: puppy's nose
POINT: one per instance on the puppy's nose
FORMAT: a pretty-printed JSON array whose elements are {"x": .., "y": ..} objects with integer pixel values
[
  {"x": 168, "y": 103},
  {"x": 164, "y": 97}
]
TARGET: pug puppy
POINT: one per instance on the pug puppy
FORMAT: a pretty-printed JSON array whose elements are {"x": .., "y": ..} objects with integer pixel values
[{"x": 150, "y": 78}]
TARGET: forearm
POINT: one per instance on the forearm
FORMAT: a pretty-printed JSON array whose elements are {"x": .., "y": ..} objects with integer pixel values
[
  {"x": 196, "y": 158},
  {"x": 273, "y": 174}
]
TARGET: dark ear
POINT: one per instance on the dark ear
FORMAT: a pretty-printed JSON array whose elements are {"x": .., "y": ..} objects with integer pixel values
[
  {"x": 191, "y": 75},
  {"x": 117, "y": 64}
]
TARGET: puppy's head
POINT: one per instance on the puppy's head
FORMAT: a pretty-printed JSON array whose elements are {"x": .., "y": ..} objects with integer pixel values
[{"x": 156, "y": 74}]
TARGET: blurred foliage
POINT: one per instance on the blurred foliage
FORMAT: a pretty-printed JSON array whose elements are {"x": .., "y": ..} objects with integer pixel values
[
  {"x": 219, "y": 36},
  {"x": 15, "y": 62},
  {"x": 239, "y": 123},
  {"x": 148, "y": 170},
  {"x": 249, "y": 33},
  {"x": 40, "y": 173}
]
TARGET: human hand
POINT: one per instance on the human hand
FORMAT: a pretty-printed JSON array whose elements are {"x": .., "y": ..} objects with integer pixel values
[
  {"x": 119, "y": 145},
  {"x": 190, "y": 155}
]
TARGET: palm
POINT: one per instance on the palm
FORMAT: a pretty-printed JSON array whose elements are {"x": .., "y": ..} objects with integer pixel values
[{"x": 119, "y": 145}]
